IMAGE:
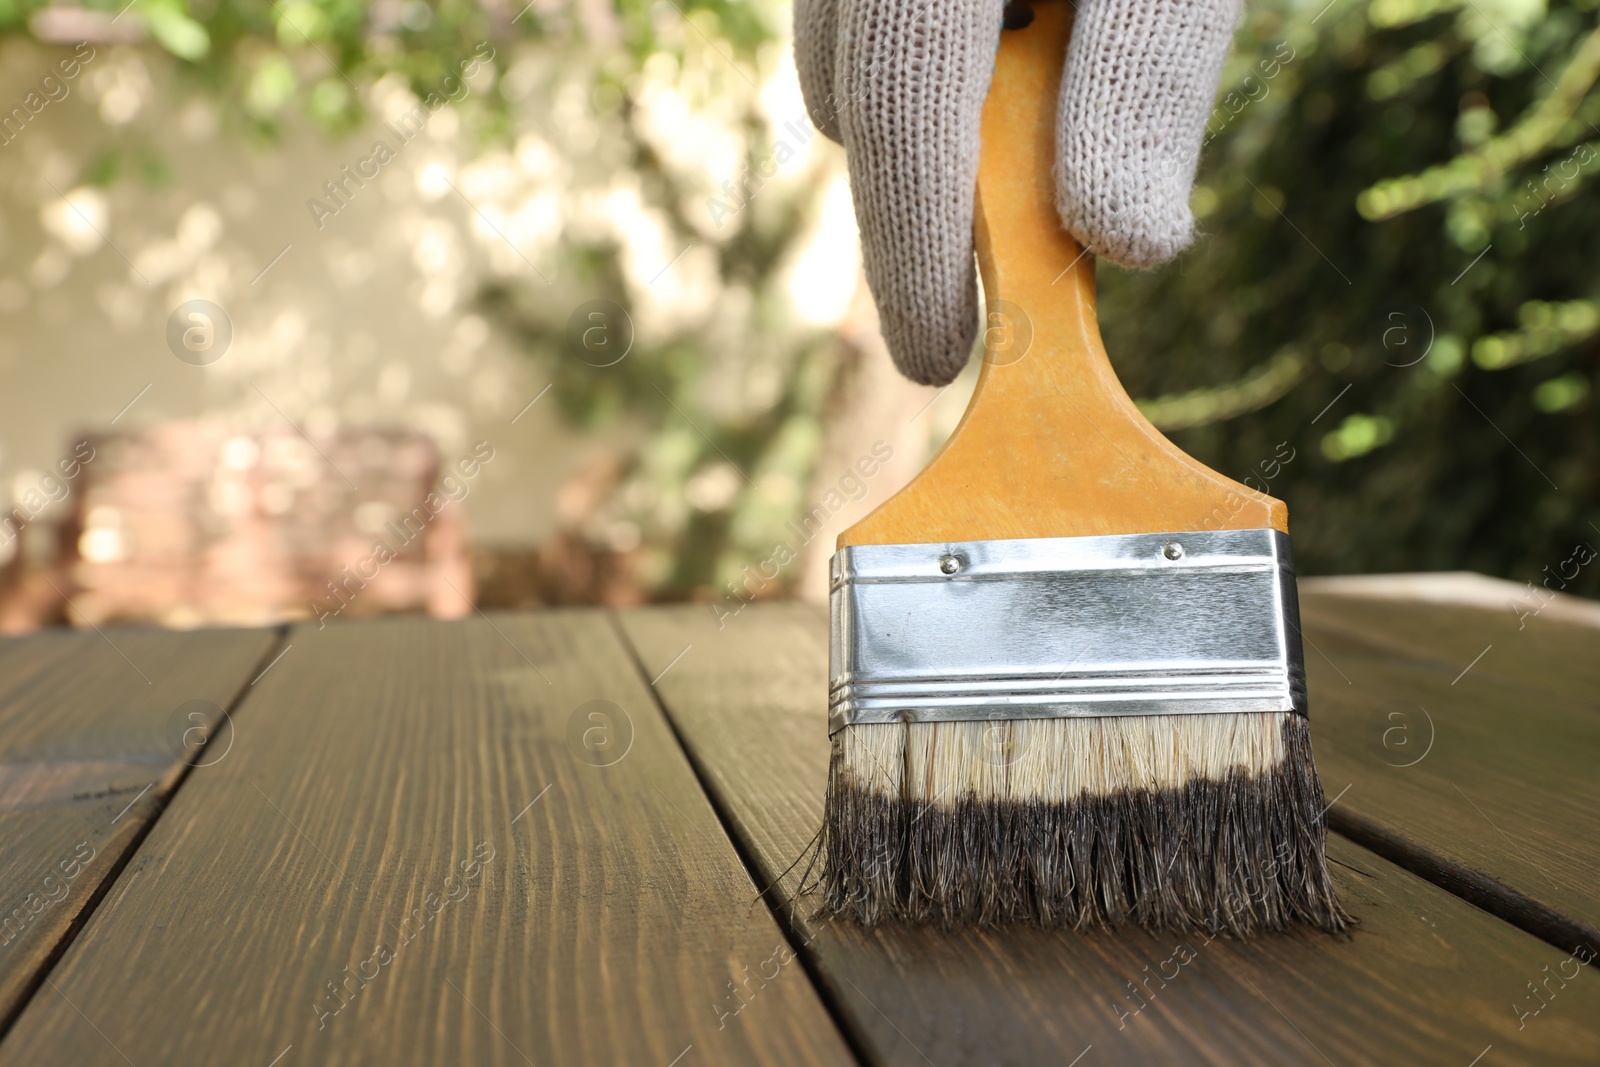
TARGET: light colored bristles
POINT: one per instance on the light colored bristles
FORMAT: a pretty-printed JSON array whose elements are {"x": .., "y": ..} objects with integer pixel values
[
  {"x": 1056, "y": 760},
  {"x": 874, "y": 754}
]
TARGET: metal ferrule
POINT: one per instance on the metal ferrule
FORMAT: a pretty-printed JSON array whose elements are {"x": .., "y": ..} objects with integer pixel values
[{"x": 1050, "y": 627}]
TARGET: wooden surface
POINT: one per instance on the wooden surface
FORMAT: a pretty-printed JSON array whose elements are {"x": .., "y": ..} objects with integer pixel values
[
  {"x": 1427, "y": 979},
  {"x": 371, "y": 762},
  {"x": 1492, "y": 764},
  {"x": 1051, "y": 444},
  {"x": 550, "y": 887},
  {"x": 88, "y": 755},
  {"x": 1542, "y": 651}
]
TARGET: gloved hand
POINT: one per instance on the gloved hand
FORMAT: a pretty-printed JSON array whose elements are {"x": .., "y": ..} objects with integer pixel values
[{"x": 901, "y": 83}]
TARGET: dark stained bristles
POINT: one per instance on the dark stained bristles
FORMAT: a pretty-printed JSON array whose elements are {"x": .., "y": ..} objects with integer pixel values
[{"x": 1178, "y": 822}]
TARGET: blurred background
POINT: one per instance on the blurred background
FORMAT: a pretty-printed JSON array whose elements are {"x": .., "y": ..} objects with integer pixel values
[{"x": 321, "y": 308}]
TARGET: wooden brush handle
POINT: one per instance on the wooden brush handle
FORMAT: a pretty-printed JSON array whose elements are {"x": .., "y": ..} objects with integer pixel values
[{"x": 1051, "y": 444}]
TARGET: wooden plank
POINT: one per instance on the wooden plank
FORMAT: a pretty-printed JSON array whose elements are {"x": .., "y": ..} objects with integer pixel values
[
  {"x": 89, "y": 753},
  {"x": 1427, "y": 978},
  {"x": 1483, "y": 778},
  {"x": 407, "y": 817},
  {"x": 1550, "y": 649}
]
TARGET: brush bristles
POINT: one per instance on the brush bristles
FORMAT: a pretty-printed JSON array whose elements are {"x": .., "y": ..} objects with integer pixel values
[{"x": 1173, "y": 822}]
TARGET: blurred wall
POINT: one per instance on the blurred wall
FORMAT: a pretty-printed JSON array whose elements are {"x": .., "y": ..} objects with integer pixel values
[{"x": 123, "y": 200}]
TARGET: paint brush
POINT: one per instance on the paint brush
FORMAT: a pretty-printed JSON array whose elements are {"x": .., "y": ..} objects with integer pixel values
[{"x": 1066, "y": 681}]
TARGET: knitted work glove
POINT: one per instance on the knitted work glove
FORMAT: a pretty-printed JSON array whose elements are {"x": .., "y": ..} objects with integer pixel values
[{"x": 901, "y": 83}]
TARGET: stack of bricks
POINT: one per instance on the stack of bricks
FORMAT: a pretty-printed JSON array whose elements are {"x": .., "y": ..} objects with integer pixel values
[{"x": 198, "y": 524}]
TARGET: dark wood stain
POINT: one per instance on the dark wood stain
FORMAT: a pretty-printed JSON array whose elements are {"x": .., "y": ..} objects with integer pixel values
[
  {"x": 387, "y": 770},
  {"x": 86, "y": 762},
  {"x": 1492, "y": 771}
]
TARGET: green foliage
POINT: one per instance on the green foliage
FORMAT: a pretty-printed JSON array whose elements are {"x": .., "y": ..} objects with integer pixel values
[
  {"x": 1420, "y": 171},
  {"x": 268, "y": 57},
  {"x": 724, "y": 409},
  {"x": 762, "y": 439}
]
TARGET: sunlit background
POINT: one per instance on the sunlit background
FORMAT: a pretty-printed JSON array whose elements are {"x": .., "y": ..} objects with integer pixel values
[{"x": 1390, "y": 321}]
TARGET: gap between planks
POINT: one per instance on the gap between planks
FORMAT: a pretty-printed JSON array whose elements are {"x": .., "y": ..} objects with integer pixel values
[
  {"x": 824, "y": 989},
  {"x": 1479, "y": 888},
  {"x": 1473, "y": 886},
  {"x": 120, "y": 862}
]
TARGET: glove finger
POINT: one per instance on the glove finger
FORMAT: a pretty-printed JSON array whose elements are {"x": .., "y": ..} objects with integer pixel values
[
  {"x": 816, "y": 37},
  {"x": 912, "y": 75},
  {"x": 1139, "y": 82}
]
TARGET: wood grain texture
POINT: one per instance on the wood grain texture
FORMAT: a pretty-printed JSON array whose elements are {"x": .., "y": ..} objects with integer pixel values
[
  {"x": 1491, "y": 768},
  {"x": 418, "y": 785},
  {"x": 1427, "y": 979},
  {"x": 1051, "y": 445},
  {"x": 88, "y": 755},
  {"x": 1537, "y": 650}
]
